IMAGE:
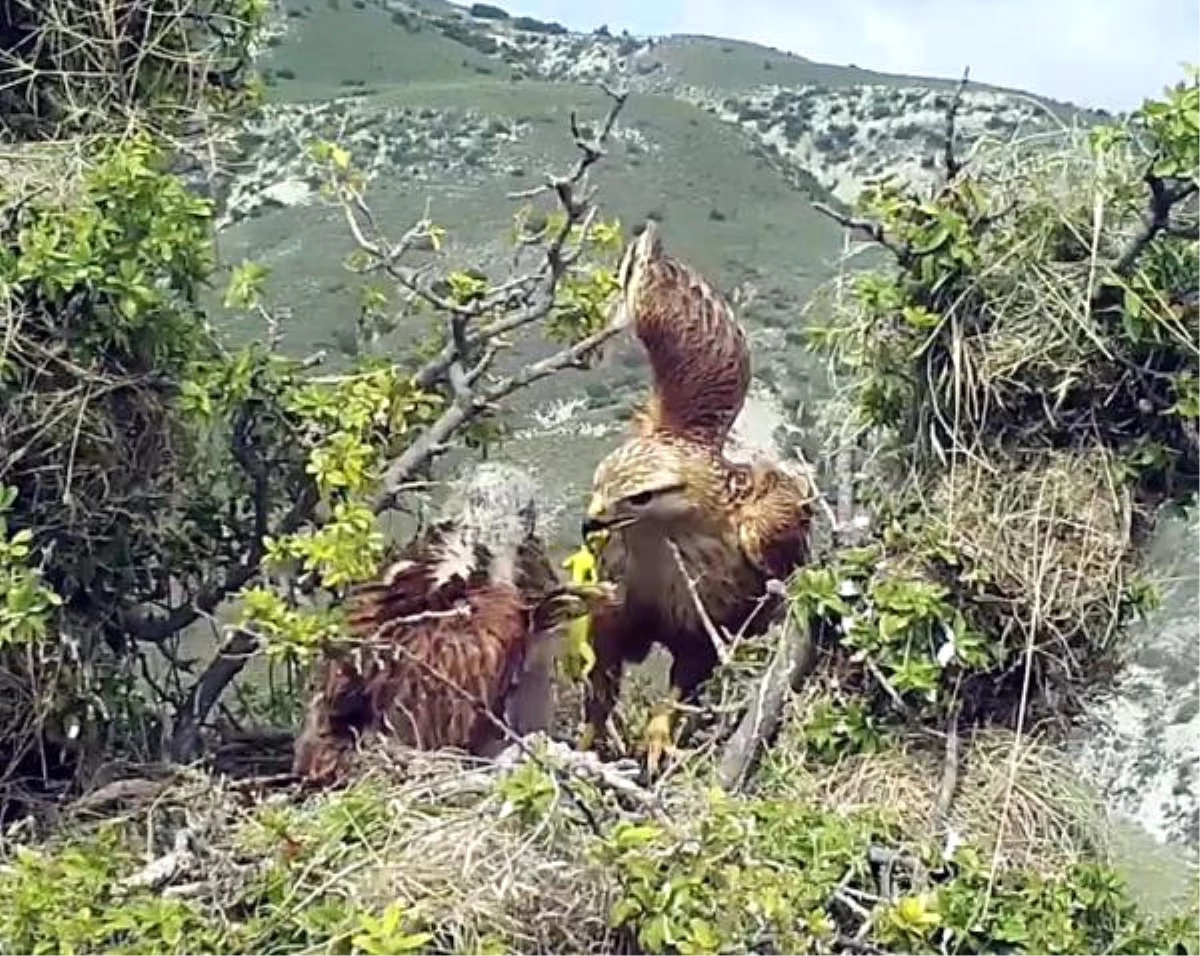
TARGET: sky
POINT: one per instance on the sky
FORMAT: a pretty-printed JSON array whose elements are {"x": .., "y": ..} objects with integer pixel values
[{"x": 1097, "y": 53}]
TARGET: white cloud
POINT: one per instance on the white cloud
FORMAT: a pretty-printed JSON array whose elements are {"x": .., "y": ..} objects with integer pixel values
[{"x": 1109, "y": 53}]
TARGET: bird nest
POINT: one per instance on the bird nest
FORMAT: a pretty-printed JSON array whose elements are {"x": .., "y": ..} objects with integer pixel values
[
  {"x": 89, "y": 441},
  {"x": 1059, "y": 337},
  {"x": 69, "y": 66},
  {"x": 1018, "y": 798},
  {"x": 435, "y": 834},
  {"x": 504, "y": 853}
]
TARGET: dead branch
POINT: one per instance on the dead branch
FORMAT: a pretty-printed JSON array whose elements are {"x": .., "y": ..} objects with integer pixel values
[
  {"x": 159, "y": 872},
  {"x": 467, "y": 404},
  {"x": 867, "y": 230},
  {"x": 718, "y": 642},
  {"x": 204, "y": 693},
  {"x": 1165, "y": 195},
  {"x": 950, "y": 767},
  {"x": 150, "y": 628},
  {"x": 468, "y": 353},
  {"x": 950, "y": 161},
  {"x": 794, "y": 657},
  {"x": 463, "y": 362}
]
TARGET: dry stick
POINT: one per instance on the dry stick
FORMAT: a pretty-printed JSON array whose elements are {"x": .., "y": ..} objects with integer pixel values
[
  {"x": 795, "y": 655},
  {"x": 710, "y": 628},
  {"x": 467, "y": 403},
  {"x": 950, "y": 767}
]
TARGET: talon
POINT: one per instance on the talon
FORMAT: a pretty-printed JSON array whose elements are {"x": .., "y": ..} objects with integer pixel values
[{"x": 658, "y": 741}]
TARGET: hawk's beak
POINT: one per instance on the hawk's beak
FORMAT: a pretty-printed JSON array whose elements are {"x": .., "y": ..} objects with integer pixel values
[{"x": 598, "y": 523}]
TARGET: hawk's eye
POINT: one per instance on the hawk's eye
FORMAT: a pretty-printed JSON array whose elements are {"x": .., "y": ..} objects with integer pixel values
[{"x": 641, "y": 498}]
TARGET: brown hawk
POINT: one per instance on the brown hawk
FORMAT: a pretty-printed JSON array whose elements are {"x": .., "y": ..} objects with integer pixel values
[
  {"x": 442, "y": 640},
  {"x": 671, "y": 502}
]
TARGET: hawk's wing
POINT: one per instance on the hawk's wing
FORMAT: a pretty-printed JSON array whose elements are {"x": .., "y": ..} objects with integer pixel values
[
  {"x": 406, "y": 587},
  {"x": 773, "y": 510},
  {"x": 699, "y": 357}
]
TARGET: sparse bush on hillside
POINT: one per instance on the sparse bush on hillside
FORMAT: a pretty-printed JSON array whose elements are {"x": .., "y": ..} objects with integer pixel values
[
  {"x": 533, "y": 25},
  {"x": 485, "y": 11}
]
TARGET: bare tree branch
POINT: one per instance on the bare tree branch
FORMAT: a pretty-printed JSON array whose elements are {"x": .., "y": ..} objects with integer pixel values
[
  {"x": 463, "y": 362},
  {"x": 1165, "y": 195},
  {"x": 868, "y": 230},
  {"x": 468, "y": 354},
  {"x": 794, "y": 656},
  {"x": 950, "y": 161}
]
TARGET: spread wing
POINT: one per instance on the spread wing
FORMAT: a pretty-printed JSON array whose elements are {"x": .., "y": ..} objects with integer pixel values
[
  {"x": 699, "y": 358},
  {"x": 773, "y": 511}
]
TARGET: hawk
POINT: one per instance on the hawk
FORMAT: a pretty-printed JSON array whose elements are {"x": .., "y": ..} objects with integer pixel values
[
  {"x": 446, "y": 639},
  {"x": 698, "y": 391},
  {"x": 691, "y": 538}
]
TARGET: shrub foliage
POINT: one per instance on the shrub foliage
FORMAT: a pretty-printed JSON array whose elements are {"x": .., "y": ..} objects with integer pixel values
[{"x": 1024, "y": 374}]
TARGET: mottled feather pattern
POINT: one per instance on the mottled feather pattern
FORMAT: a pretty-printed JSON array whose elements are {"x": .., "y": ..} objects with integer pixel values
[
  {"x": 732, "y": 526},
  {"x": 437, "y": 646},
  {"x": 774, "y": 518},
  {"x": 435, "y": 685},
  {"x": 697, "y": 349}
]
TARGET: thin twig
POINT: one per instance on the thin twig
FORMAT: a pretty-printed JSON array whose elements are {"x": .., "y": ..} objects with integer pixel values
[{"x": 710, "y": 628}]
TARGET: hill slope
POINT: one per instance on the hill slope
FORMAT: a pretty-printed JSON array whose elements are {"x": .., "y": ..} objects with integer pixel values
[{"x": 729, "y": 143}]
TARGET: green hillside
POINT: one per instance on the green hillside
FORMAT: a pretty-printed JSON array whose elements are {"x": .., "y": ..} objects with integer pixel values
[
  {"x": 728, "y": 143},
  {"x": 331, "y": 47},
  {"x": 736, "y": 64},
  {"x": 723, "y": 207}
]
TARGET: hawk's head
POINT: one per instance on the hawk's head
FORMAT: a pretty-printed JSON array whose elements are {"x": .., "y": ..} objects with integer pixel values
[
  {"x": 493, "y": 512},
  {"x": 653, "y": 481}
]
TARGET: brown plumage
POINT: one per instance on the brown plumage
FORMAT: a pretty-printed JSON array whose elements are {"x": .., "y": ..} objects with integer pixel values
[
  {"x": 441, "y": 638},
  {"x": 697, "y": 392},
  {"x": 733, "y": 526}
]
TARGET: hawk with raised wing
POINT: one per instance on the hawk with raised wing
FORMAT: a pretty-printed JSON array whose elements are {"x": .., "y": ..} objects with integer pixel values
[{"x": 692, "y": 538}]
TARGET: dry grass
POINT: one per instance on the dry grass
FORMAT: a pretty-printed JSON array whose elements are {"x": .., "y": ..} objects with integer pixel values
[
  {"x": 1021, "y": 393},
  {"x": 433, "y": 833},
  {"x": 1015, "y": 796},
  {"x": 1031, "y": 349},
  {"x": 466, "y": 851},
  {"x": 1022, "y": 356},
  {"x": 82, "y": 66},
  {"x": 1051, "y": 542},
  {"x": 50, "y": 171}
]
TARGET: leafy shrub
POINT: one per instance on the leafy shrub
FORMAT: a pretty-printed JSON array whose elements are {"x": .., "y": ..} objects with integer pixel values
[
  {"x": 1016, "y": 452},
  {"x": 506, "y": 861},
  {"x": 152, "y": 473}
]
